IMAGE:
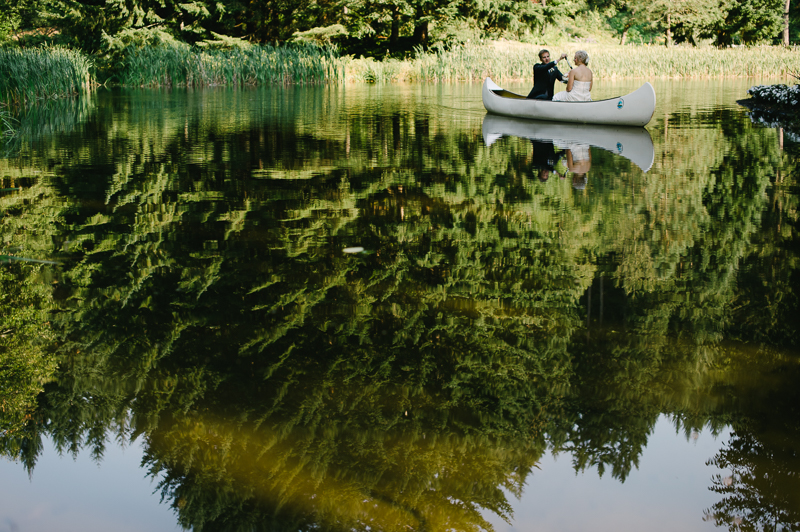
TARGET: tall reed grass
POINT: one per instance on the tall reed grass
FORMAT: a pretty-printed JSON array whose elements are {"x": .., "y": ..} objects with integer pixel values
[
  {"x": 28, "y": 75},
  {"x": 257, "y": 65},
  {"x": 516, "y": 60},
  {"x": 6, "y": 124}
]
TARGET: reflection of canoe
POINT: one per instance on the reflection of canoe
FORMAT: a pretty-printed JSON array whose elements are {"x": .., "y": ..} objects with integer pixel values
[
  {"x": 633, "y": 143},
  {"x": 634, "y": 109}
]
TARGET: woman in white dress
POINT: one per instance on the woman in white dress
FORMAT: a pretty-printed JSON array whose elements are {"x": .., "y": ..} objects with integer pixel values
[{"x": 579, "y": 83}]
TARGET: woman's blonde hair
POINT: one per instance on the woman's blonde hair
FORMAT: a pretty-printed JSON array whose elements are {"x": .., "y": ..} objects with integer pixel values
[{"x": 583, "y": 56}]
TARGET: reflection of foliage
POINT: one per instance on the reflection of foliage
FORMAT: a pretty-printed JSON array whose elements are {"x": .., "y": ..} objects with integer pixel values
[
  {"x": 390, "y": 475},
  {"x": 205, "y": 304},
  {"x": 768, "y": 315},
  {"x": 688, "y": 233},
  {"x": 25, "y": 365},
  {"x": 44, "y": 120},
  {"x": 675, "y": 274},
  {"x": 26, "y": 338},
  {"x": 762, "y": 491},
  {"x": 622, "y": 384},
  {"x": 386, "y": 364}
]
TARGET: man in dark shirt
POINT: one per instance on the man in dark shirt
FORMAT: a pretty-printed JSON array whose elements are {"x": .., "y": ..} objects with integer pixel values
[{"x": 545, "y": 75}]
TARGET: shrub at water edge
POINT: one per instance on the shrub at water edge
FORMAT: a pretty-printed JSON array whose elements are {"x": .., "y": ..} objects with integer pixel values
[{"x": 782, "y": 95}]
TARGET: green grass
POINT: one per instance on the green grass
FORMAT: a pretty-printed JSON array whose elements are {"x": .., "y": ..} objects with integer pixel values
[
  {"x": 6, "y": 124},
  {"x": 258, "y": 65},
  {"x": 515, "y": 61},
  {"x": 512, "y": 61},
  {"x": 183, "y": 65},
  {"x": 28, "y": 75}
]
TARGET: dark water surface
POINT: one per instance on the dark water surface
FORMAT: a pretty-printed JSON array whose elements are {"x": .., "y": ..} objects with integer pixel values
[{"x": 368, "y": 308}]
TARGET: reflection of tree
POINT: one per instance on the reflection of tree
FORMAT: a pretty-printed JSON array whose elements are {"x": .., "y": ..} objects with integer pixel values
[
  {"x": 677, "y": 252},
  {"x": 761, "y": 490},
  {"x": 25, "y": 337},
  {"x": 204, "y": 305},
  {"x": 690, "y": 232},
  {"x": 219, "y": 320},
  {"x": 336, "y": 475},
  {"x": 769, "y": 314}
]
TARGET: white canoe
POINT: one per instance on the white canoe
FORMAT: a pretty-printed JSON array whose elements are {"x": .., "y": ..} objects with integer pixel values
[
  {"x": 634, "y": 109},
  {"x": 633, "y": 143}
]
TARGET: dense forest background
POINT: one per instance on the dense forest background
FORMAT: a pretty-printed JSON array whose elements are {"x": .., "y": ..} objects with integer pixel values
[{"x": 394, "y": 27}]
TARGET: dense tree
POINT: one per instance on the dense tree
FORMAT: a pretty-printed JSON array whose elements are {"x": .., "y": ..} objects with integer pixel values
[
  {"x": 85, "y": 23},
  {"x": 377, "y": 27},
  {"x": 749, "y": 22},
  {"x": 624, "y": 15},
  {"x": 683, "y": 19},
  {"x": 17, "y": 18}
]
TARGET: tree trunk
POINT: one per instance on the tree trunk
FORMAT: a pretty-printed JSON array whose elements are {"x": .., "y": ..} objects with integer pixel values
[
  {"x": 624, "y": 37},
  {"x": 395, "y": 25},
  {"x": 421, "y": 33},
  {"x": 786, "y": 23},
  {"x": 544, "y": 25},
  {"x": 669, "y": 30}
]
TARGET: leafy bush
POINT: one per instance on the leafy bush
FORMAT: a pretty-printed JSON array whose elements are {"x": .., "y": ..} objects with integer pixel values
[
  {"x": 777, "y": 94},
  {"x": 117, "y": 48},
  {"x": 321, "y": 36},
  {"x": 223, "y": 42}
]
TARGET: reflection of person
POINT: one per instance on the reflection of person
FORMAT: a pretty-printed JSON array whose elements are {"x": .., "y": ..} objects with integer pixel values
[
  {"x": 545, "y": 75},
  {"x": 579, "y": 162},
  {"x": 579, "y": 81},
  {"x": 545, "y": 158}
]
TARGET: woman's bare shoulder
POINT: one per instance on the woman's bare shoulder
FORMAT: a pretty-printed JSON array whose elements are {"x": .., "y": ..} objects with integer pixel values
[{"x": 582, "y": 73}]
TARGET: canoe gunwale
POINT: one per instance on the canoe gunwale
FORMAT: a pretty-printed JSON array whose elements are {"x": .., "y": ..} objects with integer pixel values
[{"x": 521, "y": 97}]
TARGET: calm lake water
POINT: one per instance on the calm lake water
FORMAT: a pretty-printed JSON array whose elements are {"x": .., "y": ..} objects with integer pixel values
[{"x": 380, "y": 308}]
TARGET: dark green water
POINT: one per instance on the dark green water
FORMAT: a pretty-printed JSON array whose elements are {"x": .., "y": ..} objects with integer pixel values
[{"x": 362, "y": 308}]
